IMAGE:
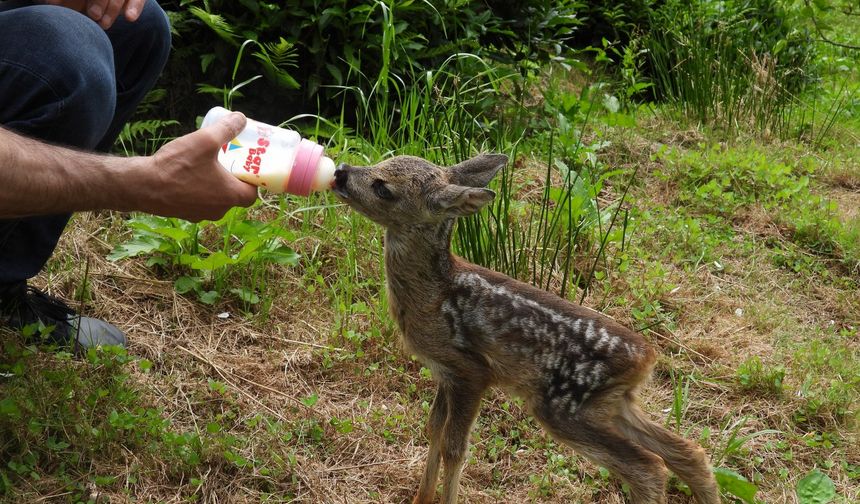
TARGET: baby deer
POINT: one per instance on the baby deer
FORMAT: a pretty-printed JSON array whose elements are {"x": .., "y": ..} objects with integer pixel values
[{"x": 576, "y": 369}]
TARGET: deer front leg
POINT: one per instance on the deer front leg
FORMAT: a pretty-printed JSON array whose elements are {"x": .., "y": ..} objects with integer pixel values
[
  {"x": 464, "y": 402},
  {"x": 438, "y": 414}
]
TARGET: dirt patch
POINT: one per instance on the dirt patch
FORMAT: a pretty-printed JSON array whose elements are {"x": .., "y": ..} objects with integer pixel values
[{"x": 847, "y": 202}]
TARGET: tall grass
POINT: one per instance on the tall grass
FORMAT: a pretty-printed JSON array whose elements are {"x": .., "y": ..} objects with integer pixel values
[
  {"x": 709, "y": 75},
  {"x": 557, "y": 241},
  {"x": 730, "y": 65}
]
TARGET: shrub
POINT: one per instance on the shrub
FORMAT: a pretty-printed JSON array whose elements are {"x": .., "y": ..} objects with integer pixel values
[{"x": 309, "y": 51}]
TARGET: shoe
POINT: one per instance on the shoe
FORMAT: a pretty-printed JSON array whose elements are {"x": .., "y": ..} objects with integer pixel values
[{"x": 22, "y": 305}]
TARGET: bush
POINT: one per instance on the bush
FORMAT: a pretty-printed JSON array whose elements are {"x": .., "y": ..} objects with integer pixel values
[
  {"x": 717, "y": 59},
  {"x": 311, "y": 52}
]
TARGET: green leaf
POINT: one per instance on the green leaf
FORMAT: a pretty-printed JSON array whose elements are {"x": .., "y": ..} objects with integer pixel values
[
  {"x": 342, "y": 426},
  {"x": 9, "y": 408},
  {"x": 735, "y": 484},
  {"x": 104, "y": 480},
  {"x": 282, "y": 255},
  {"x": 311, "y": 400},
  {"x": 815, "y": 488},
  {"x": 215, "y": 261},
  {"x": 236, "y": 459},
  {"x": 214, "y": 90},
  {"x": 779, "y": 46},
  {"x": 55, "y": 445},
  {"x": 248, "y": 251},
  {"x": 335, "y": 73},
  {"x": 5, "y": 484},
  {"x": 175, "y": 234},
  {"x": 206, "y": 60},
  {"x": 216, "y": 386},
  {"x": 246, "y": 295},
  {"x": 822, "y": 4},
  {"x": 213, "y": 427},
  {"x": 156, "y": 259},
  {"x": 209, "y": 297},
  {"x": 217, "y": 23},
  {"x": 134, "y": 247},
  {"x": 184, "y": 284}
]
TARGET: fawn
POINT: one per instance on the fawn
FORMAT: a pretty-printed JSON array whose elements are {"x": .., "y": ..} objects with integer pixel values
[{"x": 576, "y": 369}]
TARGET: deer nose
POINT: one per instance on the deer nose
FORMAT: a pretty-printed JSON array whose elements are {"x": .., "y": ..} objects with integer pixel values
[{"x": 340, "y": 175}]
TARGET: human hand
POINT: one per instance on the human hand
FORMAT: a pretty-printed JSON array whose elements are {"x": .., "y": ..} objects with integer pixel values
[
  {"x": 104, "y": 12},
  {"x": 184, "y": 178}
]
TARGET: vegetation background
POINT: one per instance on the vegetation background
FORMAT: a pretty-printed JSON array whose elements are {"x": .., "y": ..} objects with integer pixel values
[{"x": 690, "y": 167}]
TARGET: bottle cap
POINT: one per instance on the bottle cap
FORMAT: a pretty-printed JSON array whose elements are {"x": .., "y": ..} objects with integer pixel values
[{"x": 304, "y": 168}]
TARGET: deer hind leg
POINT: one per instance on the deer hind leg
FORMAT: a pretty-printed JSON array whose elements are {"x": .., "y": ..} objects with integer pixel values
[
  {"x": 603, "y": 443},
  {"x": 685, "y": 458},
  {"x": 438, "y": 415}
]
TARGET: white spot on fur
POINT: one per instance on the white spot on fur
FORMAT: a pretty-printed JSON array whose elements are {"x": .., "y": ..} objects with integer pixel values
[
  {"x": 597, "y": 374},
  {"x": 589, "y": 332},
  {"x": 614, "y": 342},
  {"x": 517, "y": 301},
  {"x": 581, "y": 373}
]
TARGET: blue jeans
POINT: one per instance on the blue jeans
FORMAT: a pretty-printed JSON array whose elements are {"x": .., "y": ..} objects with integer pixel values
[{"x": 66, "y": 81}]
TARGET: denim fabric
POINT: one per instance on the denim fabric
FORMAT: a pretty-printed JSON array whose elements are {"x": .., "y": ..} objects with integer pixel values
[{"x": 66, "y": 81}]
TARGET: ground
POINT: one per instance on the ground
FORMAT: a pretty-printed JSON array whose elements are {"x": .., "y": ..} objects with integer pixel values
[{"x": 306, "y": 397}]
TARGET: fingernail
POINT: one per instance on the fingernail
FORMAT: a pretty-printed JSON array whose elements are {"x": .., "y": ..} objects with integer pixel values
[
  {"x": 237, "y": 118},
  {"x": 96, "y": 11},
  {"x": 131, "y": 13}
]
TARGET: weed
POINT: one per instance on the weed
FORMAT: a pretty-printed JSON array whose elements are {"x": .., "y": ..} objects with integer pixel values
[
  {"x": 755, "y": 376},
  {"x": 828, "y": 365},
  {"x": 237, "y": 244}
]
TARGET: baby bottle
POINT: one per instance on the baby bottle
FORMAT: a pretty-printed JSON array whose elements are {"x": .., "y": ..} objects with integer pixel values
[{"x": 275, "y": 158}]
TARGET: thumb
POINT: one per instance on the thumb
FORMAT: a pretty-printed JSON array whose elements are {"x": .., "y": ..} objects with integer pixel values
[{"x": 228, "y": 127}]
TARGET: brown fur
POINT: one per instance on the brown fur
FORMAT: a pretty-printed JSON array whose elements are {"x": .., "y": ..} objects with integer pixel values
[{"x": 576, "y": 369}]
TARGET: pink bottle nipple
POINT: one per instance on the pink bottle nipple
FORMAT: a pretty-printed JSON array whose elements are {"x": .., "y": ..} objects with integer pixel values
[{"x": 304, "y": 168}]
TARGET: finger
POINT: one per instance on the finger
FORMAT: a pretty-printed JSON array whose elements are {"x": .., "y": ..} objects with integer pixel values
[
  {"x": 133, "y": 8},
  {"x": 228, "y": 127},
  {"x": 96, "y": 9},
  {"x": 246, "y": 194},
  {"x": 111, "y": 12}
]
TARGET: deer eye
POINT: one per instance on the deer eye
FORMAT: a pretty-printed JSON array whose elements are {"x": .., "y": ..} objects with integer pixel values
[{"x": 381, "y": 190}]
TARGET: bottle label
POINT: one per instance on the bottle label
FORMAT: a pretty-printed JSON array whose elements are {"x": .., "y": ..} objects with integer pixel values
[{"x": 255, "y": 154}]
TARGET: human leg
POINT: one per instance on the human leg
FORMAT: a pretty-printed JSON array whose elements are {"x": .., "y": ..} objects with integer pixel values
[{"x": 65, "y": 80}]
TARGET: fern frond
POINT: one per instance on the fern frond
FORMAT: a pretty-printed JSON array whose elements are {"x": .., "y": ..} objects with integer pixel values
[
  {"x": 217, "y": 23},
  {"x": 281, "y": 54}
]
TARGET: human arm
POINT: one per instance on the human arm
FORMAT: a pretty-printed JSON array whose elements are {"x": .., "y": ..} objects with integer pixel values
[
  {"x": 104, "y": 12},
  {"x": 182, "y": 179}
]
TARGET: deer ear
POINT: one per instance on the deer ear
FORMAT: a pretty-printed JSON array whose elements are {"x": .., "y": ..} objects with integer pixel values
[
  {"x": 457, "y": 201},
  {"x": 478, "y": 171}
]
